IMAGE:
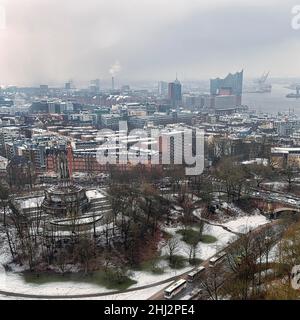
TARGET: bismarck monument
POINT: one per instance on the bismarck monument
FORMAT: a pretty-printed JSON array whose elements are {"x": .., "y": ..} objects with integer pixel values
[{"x": 66, "y": 208}]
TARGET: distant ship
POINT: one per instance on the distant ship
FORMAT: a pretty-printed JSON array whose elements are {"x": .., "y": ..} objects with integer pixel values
[{"x": 294, "y": 95}]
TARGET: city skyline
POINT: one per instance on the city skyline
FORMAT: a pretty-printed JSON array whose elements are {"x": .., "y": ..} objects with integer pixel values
[{"x": 198, "y": 39}]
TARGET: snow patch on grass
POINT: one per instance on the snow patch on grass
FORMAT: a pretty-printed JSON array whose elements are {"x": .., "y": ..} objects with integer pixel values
[{"x": 246, "y": 223}]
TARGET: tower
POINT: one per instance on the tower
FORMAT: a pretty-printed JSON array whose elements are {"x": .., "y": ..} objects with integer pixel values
[
  {"x": 175, "y": 95},
  {"x": 63, "y": 168}
]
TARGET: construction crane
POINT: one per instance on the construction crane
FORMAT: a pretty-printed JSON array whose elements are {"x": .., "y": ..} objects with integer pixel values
[
  {"x": 262, "y": 80},
  {"x": 262, "y": 86}
]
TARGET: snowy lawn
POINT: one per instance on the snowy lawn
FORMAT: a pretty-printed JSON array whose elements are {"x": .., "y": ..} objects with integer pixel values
[
  {"x": 246, "y": 223},
  {"x": 204, "y": 250},
  {"x": 15, "y": 282}
]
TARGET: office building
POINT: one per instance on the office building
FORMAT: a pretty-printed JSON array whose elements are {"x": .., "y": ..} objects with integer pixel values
[
  {"x": 163, "y": 88},
  {"x": 174, "y": 93}
]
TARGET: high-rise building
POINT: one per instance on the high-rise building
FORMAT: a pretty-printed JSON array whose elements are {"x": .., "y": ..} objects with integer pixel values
[
  {"x": 68, "y": 86},
  {"x": 175, "y": 95},
  {"x": 192, "y": 101},
  {"x": 7, "y": 134},
  {"x": 44, "y": 89},
  {"x": 64, "y": 106},
  {"x": 95, "y": 86},
  {"x": 231, "y": 85},
  {"x": 162, "y": 88}
]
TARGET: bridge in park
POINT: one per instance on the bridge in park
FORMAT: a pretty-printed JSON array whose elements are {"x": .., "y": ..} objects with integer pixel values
[{"x": 279, "y": 211}]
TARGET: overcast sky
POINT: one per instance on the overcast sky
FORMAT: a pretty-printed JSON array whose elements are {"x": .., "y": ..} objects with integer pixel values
[{"x": 52, "y": 41}]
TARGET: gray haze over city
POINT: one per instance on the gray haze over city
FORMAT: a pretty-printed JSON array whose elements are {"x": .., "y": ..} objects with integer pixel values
[
  {"x": 51, "y": 41},
  {"x": 150, "y": 150}
]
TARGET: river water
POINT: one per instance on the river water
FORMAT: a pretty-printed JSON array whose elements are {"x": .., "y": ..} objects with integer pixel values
[{"x": 273, "y": 102}]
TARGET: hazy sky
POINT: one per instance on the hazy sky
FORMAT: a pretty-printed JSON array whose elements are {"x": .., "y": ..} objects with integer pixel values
[{"x": 52, "y": 41}]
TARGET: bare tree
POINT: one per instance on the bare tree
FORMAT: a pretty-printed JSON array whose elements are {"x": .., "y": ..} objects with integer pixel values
[
  {"x": 259, "y": 173},
  {"x": 242, "y": 262},
  {"x": 192, "y": 250},
  {"x": 62, "y": 260},
  {"x": 233, "y": 178},
  {"x": 213, "y": 283},
  {"x": 172, "y": 247}
]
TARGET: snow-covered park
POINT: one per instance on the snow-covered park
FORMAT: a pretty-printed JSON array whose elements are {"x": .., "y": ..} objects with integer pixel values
[{"x": 15, "y": 282}]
